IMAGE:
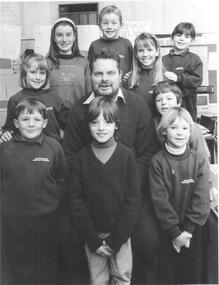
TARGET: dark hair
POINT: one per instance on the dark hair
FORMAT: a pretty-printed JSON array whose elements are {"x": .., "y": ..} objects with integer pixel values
[
  {"x": 167, "y": 86},
  {"x": 31, "y": 104},
  {"x": 107, "y": 106},
  {"x": 53, "y": 49},
  {"x": 184, "y": 28},
  {"x": 105, "y": 54},
  {"x": 109, "y": 10},
  {"x": 41, "y": 64}
]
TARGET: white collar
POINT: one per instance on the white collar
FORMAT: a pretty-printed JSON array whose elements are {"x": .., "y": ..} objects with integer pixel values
[
  {"x": 92, "y": 96},
  {"x": 174, "y": 150}
]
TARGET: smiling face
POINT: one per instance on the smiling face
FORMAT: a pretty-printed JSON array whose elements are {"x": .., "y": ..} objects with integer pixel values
[
  {"x": 110, "y": 26},
  {"x": 30, "y": 125},
  {"x": 106, "y": 77},
  {"x": 181, "y": 41},
  {"x": 164, "y": 101},
  {"x": 64, "y": 38},
  {"x": 146, "y": 53},
  {"x": 35, "y": 77},
  {"x": 101, "y": 129},
  {"x": 178, "y": 133}
]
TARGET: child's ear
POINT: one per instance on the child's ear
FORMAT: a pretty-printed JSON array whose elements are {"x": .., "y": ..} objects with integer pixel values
[
  {"x": 16, "y": 123},
  {"x": 45, "y": 123}
]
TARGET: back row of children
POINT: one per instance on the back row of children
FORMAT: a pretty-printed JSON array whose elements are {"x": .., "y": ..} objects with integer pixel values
[{"x": 69, "y": 73}]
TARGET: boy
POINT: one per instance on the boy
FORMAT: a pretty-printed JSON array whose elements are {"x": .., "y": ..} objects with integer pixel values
[
  {"x": 166, "y": 95},
  {"x": 110, "y": 23},
  {"x": 179, "y": 187},
  {"x": 184, "y": 67},
  {"x": 33, "y": 176},
  {"x": 105, "y": 196}
]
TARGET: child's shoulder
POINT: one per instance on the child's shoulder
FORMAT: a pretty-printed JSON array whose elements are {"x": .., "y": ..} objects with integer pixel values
[
  {"x": 122, "y": 148},
  {"x": 52, "y": 143}
]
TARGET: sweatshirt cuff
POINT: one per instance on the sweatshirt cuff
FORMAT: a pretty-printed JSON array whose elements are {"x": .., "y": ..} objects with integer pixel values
[
  {"x": 112, "y": 243},
  {"x": 174, "y": 231},
  {"x": 95, "y": 244},
  {"x": 189, "y": 226},
  {"x": 179, "y": 78}
]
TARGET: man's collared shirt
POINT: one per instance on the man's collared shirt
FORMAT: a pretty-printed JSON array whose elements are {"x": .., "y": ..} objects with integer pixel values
[{"x": 92, "y": 96}]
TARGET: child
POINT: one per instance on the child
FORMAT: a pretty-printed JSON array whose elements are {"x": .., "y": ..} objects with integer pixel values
[
  {"x": 110, "y": 23},
  {"x": 34, "y": 79},
  {"x": 147, "y": 67},
  {"x": 184, "y": 67},
  {"x": 180, "y": 194},
  {"x": 105, "y": 197},
  {"x": 69, "y": 71},
  {"x": 33, "y": 174},
  {"x": 166, "y": 95}
]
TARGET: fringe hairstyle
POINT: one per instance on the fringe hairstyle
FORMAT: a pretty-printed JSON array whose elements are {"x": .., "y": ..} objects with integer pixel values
[{"x": 149, "y": 41}]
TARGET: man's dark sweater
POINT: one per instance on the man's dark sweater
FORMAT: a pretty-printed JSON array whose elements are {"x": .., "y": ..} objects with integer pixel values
[
  {"x": 136, "y": 130},
  {"x": 56, "y": 110},
  {"x": 189, "y": 70},
  {"x": 32, "y": 175},
  {"x": 105, "y": 198}
]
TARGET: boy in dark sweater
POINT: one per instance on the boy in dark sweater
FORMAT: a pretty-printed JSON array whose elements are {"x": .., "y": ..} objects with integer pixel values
[
  {"x": 33, "y": 174},
  {"x": 110, "y": 23},
  {"x": 180, "y": 194},
  {"x": 184, "y": 67},
  {"x": 105, "y": 196}
]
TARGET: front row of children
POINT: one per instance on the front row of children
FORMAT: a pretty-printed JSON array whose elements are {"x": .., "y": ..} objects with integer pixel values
[{"x": 104, "y": 194}]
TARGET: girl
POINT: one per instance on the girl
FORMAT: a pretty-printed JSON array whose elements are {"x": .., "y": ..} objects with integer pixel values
[
  {"x": 69, "y": 71},
  {"x": 105, "y": 196},
  {"x": 34, "y": 79},
  {"x": 179, "y": 186},
  {"x": 147, "y": 66}
]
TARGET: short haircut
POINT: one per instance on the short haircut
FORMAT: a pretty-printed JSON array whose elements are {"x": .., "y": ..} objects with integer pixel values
[
  {"x": 109, "y": 10},
  {"x": 165, "y": 87},
  {"x": 185, "y": 28},
  {"x": 169, "y": 117},
  {"x": 40, "y": 63},
  {"x": 107, "y": 106},
  {"x": 30, "y": 105},
  {"x": 105, "y": 54}
]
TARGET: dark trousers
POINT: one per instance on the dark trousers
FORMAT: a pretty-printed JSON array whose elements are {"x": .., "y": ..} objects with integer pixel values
[
  {"x": 180, "y": 268},
  {"x": 29, "y": 250},
  {"x": 145, "y": 244},
  {"x": 72, "y": 264}
]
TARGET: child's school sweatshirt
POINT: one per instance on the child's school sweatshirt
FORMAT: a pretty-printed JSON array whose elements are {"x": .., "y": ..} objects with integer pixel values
[
  {"x": 179, "y": 186},
  {"x": 33, "y": 175}
]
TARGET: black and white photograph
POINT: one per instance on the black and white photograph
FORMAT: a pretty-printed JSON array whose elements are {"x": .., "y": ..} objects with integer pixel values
[{"x": 109, "y": 142}]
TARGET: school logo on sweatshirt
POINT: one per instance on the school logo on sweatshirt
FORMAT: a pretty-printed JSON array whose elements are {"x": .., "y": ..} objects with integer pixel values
[
  {"x": 179, "y": 68},
  {"x": 45, "y": 159},
  {"x": 187, "y": 181}
]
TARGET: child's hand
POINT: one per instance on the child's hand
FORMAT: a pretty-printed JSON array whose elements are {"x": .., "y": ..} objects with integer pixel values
[
  {"x": 104, "y": 250},
  {"x": 126, "y": 76},
  {"x": 171, "y": 76},
  {"x": 182, "y": 240},
  {"x": 6, "y": 136}
]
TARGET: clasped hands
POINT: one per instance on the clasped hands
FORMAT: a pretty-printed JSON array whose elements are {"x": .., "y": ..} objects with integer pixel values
[
  {"x": 182, "y": 240},
  {"x": 104, "y": 250}
]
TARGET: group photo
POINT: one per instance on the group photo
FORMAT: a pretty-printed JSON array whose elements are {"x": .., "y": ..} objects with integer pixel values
[{"x": 108, "y": 142}]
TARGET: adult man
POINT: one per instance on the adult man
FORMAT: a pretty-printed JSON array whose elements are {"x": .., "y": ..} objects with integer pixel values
[{"x": 136, "y": 131}]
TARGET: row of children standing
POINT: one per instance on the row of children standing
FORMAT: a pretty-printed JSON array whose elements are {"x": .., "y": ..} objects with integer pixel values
[{"x": 70, "y": 79}]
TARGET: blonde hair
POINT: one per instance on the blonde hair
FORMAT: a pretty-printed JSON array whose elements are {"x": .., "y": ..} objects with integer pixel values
[
  {"x": 169, "y": 118},
  {"x": 40, "y": 63},
  {"x": 149, "y": 41}
]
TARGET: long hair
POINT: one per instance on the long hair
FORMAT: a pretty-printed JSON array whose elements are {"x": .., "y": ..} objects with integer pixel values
[
  {"x": 149, "y": 41},
  {"x": 53, "y": 49}
]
